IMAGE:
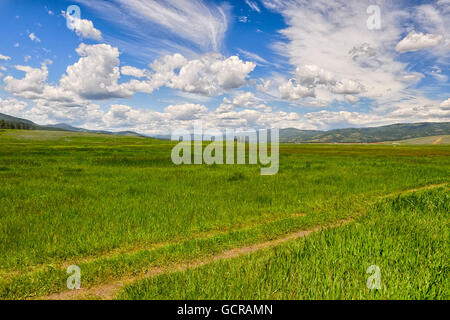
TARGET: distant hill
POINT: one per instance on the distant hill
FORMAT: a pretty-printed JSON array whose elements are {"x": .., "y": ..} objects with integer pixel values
[
  {"x": 68, "y": 127},
  {"x": 12, "y": 119},
  {"x": 393, "y": 132},
  {"x": 10, "y": 122},
  {"x": 65, "y": 127}
]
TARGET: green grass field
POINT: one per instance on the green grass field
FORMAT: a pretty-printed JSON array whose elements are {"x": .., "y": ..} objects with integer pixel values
[
  {"x": 406, "y": 237},
  {"x": 118, "y": 208}
]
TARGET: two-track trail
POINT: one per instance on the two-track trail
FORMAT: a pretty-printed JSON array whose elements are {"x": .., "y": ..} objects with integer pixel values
[{"x": 109, "y": 290}]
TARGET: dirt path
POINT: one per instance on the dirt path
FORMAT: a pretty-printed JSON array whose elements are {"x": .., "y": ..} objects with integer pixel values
[
  {"x": 431, "y": 186},
  {"x": 108, "y": 291},
  {"x": 437, "y": 141},
  {"x": 134, "y": 249}
]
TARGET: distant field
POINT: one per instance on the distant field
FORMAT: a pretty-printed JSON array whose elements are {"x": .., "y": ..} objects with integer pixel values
[
  {"x": 24, "y": 135},
  {"x": 427, "y": 140},
  {"x": 117, "y": 207}
]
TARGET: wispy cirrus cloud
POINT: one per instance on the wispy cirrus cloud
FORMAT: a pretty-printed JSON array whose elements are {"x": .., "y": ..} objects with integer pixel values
[
  {"x": 334, "y": 54},
  {"x": 186, "y": 26},
  {"x": 253, "y": 56},
  {"x": 253, "y": 5}
]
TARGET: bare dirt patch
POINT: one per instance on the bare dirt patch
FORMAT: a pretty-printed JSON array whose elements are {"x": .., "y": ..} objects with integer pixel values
[{"x": 437, "y": 141}]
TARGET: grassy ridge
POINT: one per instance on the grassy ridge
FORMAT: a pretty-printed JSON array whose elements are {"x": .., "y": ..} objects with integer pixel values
[
  {"x": 407, "y": 237},
  {"x": 101, "y": 201},
  {"x": 399, "y": 131}
]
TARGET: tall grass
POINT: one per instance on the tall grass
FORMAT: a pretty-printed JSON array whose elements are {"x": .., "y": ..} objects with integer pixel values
[
  {"x": 71, "y": 198},
  {"x": 406, "y": 237}
]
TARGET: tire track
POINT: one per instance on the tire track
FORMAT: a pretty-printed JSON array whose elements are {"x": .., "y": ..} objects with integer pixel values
[{"x": 109, "y": 290}]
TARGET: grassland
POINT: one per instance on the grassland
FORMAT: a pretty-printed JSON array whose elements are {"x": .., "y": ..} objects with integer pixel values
[
  {"x": 117, "y": 206},
  {"x": 406, "y": 237},
  {"x": 444, "y": 139}
]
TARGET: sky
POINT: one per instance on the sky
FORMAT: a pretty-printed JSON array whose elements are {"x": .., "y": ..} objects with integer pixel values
[{"x": 156, "y": 66}]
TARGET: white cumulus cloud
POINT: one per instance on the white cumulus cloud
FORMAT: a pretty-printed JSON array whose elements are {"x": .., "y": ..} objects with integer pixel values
[
  {"x": 12, "y": 107},
  {"x": 83, "y": 27},
  {"x": 208, "y": 75},
  {"x": 415, "y": 41},
  {"x": 445, "y": 105},
  {"x": 96, "y": 74},
  {"x": 334, "y": 54},
  {"x": 292, "y": 91},
  {"x": 132, "y": 71}
]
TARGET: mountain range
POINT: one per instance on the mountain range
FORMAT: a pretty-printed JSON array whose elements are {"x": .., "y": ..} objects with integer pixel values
[{"x": 392, "y": 132}]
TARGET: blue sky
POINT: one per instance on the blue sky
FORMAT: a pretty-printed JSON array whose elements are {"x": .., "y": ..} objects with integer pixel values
[{"x": 153, "y": 66}]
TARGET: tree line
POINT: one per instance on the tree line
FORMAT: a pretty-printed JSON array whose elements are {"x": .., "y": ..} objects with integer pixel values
[{"x": 4, "y": 124}]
